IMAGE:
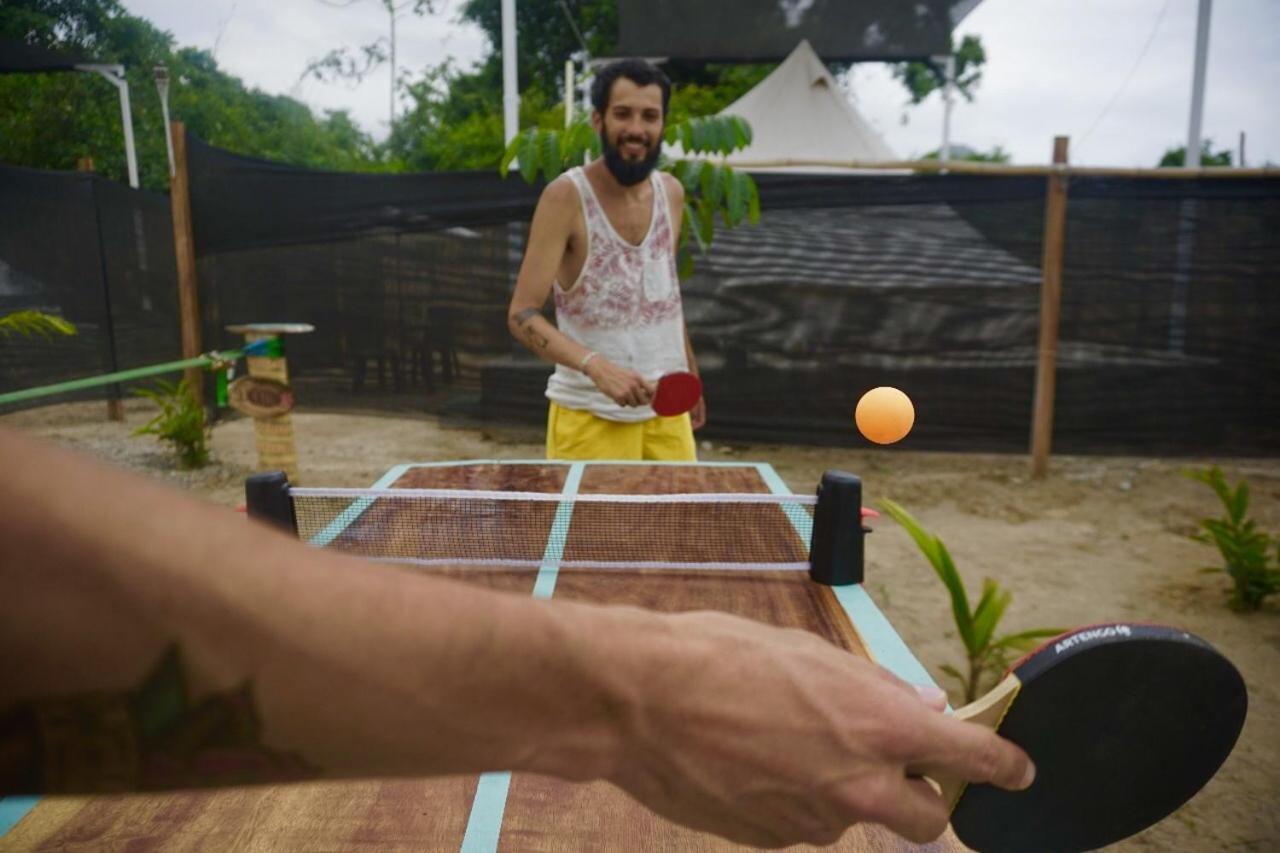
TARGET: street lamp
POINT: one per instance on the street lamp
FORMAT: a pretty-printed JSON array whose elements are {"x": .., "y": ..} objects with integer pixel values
[{"x": 162, "y": 86}]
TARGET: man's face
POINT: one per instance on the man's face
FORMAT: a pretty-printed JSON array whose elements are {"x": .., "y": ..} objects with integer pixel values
[{"x": 631, "y": 130}]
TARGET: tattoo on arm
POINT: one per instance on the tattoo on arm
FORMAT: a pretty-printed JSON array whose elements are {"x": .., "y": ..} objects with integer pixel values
[
  {"x": 532, "y": 337},
  {"x": 151, "y": 738}
]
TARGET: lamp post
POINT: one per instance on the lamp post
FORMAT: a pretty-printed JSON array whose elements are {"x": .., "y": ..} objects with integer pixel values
[{"x": 162, "y": 86}]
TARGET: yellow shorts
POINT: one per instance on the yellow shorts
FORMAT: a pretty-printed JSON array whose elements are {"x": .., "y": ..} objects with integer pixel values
[{"x": 576, "y": 434}]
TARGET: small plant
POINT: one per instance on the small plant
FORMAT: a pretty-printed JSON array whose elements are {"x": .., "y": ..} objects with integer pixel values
[
  {"x": 180, "y": 422},
  {"x": 1245, "y": 549},
  {"x": 32, "y": 323},
  {"x": 988, "y": 655}
]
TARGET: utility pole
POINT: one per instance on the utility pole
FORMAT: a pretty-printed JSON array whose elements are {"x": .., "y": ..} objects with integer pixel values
[{"x": 1197, "y": 84}]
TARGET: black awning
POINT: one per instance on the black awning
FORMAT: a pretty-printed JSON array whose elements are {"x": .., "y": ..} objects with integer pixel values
[{"x": 18, "y": 57}]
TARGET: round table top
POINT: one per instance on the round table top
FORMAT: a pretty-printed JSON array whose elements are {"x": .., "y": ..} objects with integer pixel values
[{"x": 271, "y": 328}]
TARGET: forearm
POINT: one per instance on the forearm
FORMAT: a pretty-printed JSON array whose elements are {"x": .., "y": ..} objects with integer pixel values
[
  {"x": 544, "y": 340},
  {"x": 353, "y": 669}
]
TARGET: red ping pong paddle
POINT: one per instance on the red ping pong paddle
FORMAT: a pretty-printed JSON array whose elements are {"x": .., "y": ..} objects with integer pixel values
[
  {"x": 677, "y": 393},
  {"x": 1124, "y": 722}
]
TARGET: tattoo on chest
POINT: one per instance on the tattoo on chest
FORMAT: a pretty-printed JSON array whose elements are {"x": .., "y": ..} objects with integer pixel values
[{"x": 148, "y": 739}]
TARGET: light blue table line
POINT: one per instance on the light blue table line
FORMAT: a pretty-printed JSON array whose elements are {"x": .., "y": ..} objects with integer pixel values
[
  {"x": 484, "y": 826},
  {"x": 882, "y": 641},
  {"x": 14, "y": 809}
]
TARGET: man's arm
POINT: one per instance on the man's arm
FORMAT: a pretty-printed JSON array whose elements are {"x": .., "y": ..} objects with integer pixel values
[
  {"x": 164, "y": 642},
  {"x": 548, "y": 237}
]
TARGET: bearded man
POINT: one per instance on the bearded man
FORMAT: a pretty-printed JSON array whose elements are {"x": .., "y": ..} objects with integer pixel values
[{"x": 603, "y": 240}]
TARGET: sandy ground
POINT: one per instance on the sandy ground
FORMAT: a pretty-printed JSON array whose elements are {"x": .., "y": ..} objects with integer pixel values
[{"x": 1101, "y": 538}]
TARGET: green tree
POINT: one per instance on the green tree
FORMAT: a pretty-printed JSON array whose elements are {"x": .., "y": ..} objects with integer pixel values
[
  {"x": 923, "y": 78},
  {"x": 50, "y": 120},
  {"x": 1178, "y": 156}
]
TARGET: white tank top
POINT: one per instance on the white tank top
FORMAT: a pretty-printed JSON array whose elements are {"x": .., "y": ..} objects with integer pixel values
[{"x": 625, "y": 305}]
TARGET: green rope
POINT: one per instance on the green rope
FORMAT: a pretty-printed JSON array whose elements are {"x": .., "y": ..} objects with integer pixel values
[{"x": 269, "y": 347}]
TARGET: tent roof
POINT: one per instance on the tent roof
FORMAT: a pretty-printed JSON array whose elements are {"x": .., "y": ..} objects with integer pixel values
[
  {"x": 17, "y": 57},
  {"x": 799, "y": 112}
]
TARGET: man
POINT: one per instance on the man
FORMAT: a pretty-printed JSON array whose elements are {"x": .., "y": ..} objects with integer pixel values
[
  {"x": 152, "y": 641},
  {"x": 604, "y": 240}
]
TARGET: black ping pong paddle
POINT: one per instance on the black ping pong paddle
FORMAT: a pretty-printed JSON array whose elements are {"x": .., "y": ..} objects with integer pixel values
[
  {"x": 677, "y": 393},
  {"x": 1125, "y": 723}
]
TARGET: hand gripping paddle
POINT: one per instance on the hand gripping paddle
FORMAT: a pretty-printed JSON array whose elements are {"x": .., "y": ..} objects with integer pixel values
[
  {"x": 677, "y": 393},
  {"x": 1124, "y": 722}
]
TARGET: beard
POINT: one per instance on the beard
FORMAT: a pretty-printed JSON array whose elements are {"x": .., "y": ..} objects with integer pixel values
[{"x": 628, "y": 172}]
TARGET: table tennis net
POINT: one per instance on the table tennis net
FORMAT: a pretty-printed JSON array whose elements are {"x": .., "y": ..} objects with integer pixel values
[{"x": 502, "y": 529}]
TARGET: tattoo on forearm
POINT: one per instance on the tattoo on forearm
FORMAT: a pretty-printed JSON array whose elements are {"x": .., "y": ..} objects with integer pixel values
[
  {"x": 533, "y": 338},
  {"x": 149, "y": 739}
]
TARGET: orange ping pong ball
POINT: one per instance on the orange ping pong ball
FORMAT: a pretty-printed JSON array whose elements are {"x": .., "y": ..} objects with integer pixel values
[{"x": 884, "y": 415}]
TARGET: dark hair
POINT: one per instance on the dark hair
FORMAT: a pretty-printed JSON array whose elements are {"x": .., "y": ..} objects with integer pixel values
[{"x": 637, "y": 71}]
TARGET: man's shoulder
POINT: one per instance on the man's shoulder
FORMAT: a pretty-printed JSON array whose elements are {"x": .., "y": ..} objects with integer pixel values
[
  {"x": 672, "y": 185},
  {"x": 560, "y": 191}
]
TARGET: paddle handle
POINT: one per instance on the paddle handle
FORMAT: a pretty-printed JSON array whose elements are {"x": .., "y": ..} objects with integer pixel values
[{"x": 989, "y": 711}]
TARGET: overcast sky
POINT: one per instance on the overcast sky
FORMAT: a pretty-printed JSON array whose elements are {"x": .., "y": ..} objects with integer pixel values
[{"x": 1114, "y": 75}]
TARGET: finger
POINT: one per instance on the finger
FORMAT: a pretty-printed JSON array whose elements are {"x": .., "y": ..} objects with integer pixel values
[
  {"x": 909, "y": 807},
  {"x": 974, "y": 753},
  {"x": 934, "y": 697}
]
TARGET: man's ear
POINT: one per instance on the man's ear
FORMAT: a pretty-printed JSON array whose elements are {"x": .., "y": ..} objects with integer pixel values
[{"x": 597, "y": 120}]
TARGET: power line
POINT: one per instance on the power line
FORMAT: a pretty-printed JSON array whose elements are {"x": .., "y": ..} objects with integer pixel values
[{"x": 1155, "y": 28}]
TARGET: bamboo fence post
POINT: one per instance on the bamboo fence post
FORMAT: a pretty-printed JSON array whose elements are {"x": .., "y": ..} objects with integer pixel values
[
  {"x": 1055, "y": 232},
  {"x": 184, "y": 250}
]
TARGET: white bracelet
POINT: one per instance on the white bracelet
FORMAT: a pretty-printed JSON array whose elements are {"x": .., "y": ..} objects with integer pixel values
[{"x": 583, "y": 365}]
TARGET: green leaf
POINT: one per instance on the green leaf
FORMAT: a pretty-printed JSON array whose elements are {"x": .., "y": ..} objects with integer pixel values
[
  {"x": 32, "y": 323},
  {"x": 689, "y": 224},
  {"x": 753, "y": 200},
  {"x": 1240, "y": 502},
  {"x": 684, "y": 263},
  {"x": 947, "y": 669},
  {"x": 530, "y": 151},
  {"x": 1027, "y": 640},
  {"x": 552, "y": 162},
  {"x": 692, "y": 178},
  {"x": 987, "y": 615},
  {"x": 943, "y": 566},
  {"x": 736, "y": 203},
  {"x": 726, "y": 141},
  {"x": 706, "y": 224},
  {"x": 713, "y": 181},
  {"x": 684, "y": 132},
  {"x": 504, "y": 168}
]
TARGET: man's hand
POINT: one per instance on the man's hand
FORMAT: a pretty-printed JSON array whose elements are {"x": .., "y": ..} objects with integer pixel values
[
  {"x": 620, "y": 384},
  {"x": 775, "y": 737},
  {"x": 698, "y": 414}
]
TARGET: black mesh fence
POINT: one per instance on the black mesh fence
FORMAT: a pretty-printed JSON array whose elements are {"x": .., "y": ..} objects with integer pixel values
[
  {"x": 1169, "y": 327},
  {"x": 97, "y": 254}
]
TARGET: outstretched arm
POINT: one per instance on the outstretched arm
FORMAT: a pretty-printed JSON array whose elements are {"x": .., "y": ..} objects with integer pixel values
[{"x": 155, "y": 641}]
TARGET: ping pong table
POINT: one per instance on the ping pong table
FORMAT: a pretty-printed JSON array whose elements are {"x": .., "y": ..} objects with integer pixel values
[{"x": 503, "y": 811}]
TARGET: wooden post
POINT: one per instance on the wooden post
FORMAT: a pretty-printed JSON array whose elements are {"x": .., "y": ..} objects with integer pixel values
[
  {"x": 184, "y": 249},
  {"x": 1055, "y": 232},
  {"x": 115, "y": 407}
]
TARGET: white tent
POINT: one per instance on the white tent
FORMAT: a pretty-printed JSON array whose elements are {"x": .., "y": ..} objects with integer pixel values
[{"x": 799, "y": 112}]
